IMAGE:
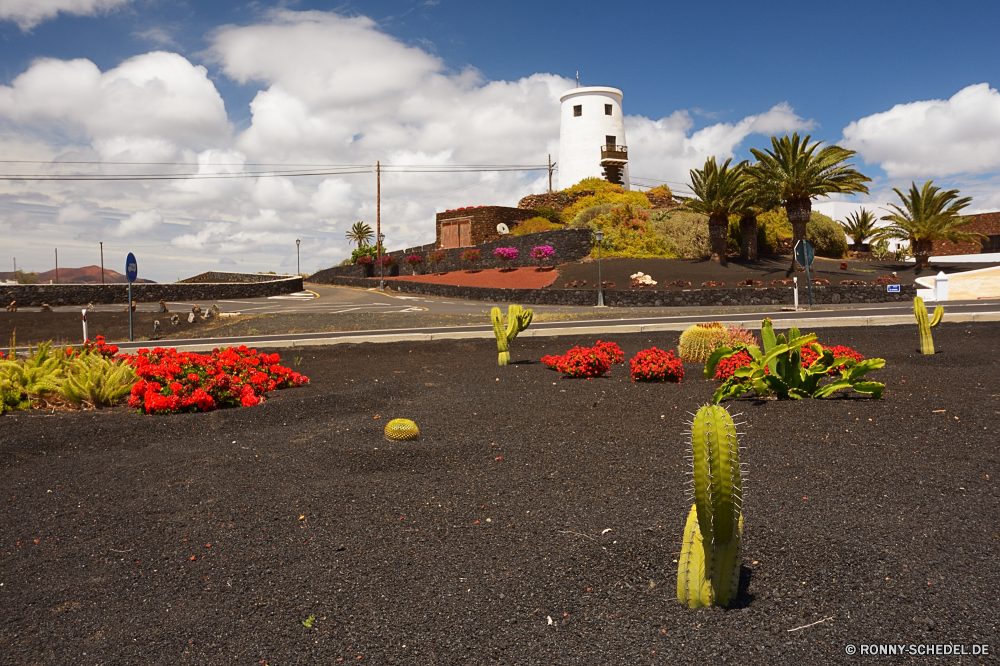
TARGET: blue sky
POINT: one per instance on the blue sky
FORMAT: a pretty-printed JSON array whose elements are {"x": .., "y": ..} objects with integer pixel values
[{"x": 911, "y": 86}]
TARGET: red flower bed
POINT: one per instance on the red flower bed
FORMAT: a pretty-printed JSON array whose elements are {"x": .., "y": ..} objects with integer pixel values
[
  {"x": 726, "y": 367},
  {"x": 98, "y": 346},
  {"x": 586, "y": 361},
  {"x": 172, "y": 381},
  {"x": 656, "y": 365}
]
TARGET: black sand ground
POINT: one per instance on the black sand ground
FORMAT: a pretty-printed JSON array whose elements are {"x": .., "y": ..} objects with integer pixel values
[
  {"x": 697, "y": 271},
  {"x": 536, "y": 521}
]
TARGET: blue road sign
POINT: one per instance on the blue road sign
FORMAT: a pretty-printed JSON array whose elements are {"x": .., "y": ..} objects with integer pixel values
[
  {"x": 892, "y": 288},
  {"x": 131, "y": 268},
  {"x": 804, "y": 253}
]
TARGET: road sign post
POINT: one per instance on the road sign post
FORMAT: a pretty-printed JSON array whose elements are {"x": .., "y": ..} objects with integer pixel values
[
  {"x": 804, "y": 255},
  {"x": 131, "y": 272}
]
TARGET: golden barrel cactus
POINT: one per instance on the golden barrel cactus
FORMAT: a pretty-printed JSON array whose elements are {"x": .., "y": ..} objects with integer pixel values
[
  {"x": 698, "y": 341},
  {"x": 399, "y": 429}
]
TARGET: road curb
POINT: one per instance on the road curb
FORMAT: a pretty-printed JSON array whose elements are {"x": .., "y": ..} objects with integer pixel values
[{"x": 822, "y": 322}]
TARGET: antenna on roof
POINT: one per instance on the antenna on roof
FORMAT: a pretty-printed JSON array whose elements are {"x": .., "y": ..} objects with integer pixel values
[{"x": 577, "y": 78}]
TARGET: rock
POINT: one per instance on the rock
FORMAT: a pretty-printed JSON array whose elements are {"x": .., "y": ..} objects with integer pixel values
[
  {"x": 156, "y": 329},
  {"x": 191, "y": 317},
  {"x": 90, "y": 307},
  {"x": 46, "y": 307},
  {"x": 196, "y": 310},
  {"x": 12, "y": 307},
  {"x": 133, "y": 307},
  {"x": 163, "y": 306},
  {"x": 175, "y": 320},
  {"x": 214, "y": 310}
]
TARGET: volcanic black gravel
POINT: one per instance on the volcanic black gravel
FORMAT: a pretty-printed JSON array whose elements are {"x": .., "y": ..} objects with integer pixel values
[{"x": 536, "y": 521}]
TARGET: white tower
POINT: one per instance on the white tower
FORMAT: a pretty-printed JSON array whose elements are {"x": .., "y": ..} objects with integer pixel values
[{"x": 592, "y": 136}]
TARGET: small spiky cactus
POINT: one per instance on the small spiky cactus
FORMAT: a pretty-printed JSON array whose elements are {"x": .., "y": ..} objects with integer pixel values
[
  {"x": 924, "y": 325},
  {"x": 709, "y": 569},
  {"x": 698, "y": 341},
  {"x": 518, "y": 319},
  {"x": 398, "y": 429}
]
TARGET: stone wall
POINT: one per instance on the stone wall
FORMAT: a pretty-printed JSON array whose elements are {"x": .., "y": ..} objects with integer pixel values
[
  {"x": 663, "y": 298},
  {"x": 569, "y": 245},
  {"x": 28, "y": 295},
  {"x": 227, "y": 276},
  {"x": 987, "y": 224}
]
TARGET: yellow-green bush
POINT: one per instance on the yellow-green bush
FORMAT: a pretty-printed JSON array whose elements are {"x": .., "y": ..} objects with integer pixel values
[
  {"x": 593, "y": 184},
  {"x": 533, "y": 226},
  {"x": 661, "y": 191},
  {"x": 637, "y": 199},
  {"x": 628, "y": 233},
  {"x": 685, "y": 233},
  {"x": 827, "y": 237}
]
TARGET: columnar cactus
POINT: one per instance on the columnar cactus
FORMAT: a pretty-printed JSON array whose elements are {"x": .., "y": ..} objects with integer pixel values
[
  {"x": 518, "y": 319},
  {"x": 924, "y": 325},
  {"x": 709, "y": 569},
  {"x": 698, "y": 341}
]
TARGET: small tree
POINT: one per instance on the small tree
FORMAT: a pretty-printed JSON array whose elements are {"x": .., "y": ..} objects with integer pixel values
[
  {"x": 506, "y": 254},
  {"x": 437, "y": 257},
  {"x": 360, "y": 233},
  {"x": 718, "y": 191},
  {"x": 860, "y": 226},
  {"x": 472, "y": 256}
]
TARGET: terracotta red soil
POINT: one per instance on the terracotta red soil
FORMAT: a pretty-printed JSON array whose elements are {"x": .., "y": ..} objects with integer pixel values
[{"x": 517, "y": 278}]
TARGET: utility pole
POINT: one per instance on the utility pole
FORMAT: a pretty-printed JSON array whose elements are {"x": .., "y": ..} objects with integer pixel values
[
  {"x": 551, "y": 166},
  {"x": 57, "y": 265},
  {"x": 102, "y": 265},
  {"x": 378, "y": 207}
]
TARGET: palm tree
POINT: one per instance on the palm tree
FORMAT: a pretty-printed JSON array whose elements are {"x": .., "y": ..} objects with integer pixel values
[
  {"x": 757, "y": 198},
  {"x": 860, "y": 226},
  {"x": 360, "y": 233},
  {"x": 927, "y": 215},
  {"x": 717, "y": 192},
  {"x": 798, "y": 174}
]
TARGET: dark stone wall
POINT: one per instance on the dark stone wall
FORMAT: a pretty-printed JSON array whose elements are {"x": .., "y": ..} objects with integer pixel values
[
  {"x": 662, "y": 298},
  {"x": 987, "y": 224},
  {"x": 569, "y": 245},
  {"x": 81, "y": 294},
  {"x": 484, "y": 221},
  {"x": 227, "y": 276}
]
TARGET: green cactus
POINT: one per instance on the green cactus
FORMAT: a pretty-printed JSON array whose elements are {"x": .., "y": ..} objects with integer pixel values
[
  {"x": 925, "y": 326},
  {"x": 709, "y": 569},
  {"x": 398, "y": 429},
  {"x": 518, "y": 319},
  {"x": 698, "y": 341}
]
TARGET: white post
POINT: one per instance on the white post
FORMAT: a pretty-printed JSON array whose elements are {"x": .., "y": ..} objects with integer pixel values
[
  {"x": 941, "y": 287},
  {"x": 84, "y": 317},
  {"x": 796, "y": 281}
]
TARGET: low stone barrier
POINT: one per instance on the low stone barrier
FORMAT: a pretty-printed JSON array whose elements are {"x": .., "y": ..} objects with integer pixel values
[
  {"x": 822, "y": 295},
  {"x": 28, "y": 295}
]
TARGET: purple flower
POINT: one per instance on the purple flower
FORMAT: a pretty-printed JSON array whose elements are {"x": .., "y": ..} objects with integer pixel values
[
  {"x": 506, "y": 253},
  {"x": 543, "y": 252}
]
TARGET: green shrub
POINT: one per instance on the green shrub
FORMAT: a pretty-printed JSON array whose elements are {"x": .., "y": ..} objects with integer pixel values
[
  {"x": 684, "y": 233},
  {"x": 628, "y": 233},
  {"x": 364, "y": 251},
  {"x": 637, "y": 199},
  {"x": 773, "y": 227},
  {"x": 533, "y": 226},
  {"x": 549, "y": 213},
  {"x": 827, "y": 237},
  {"x": 584, "y": 217},
  {"x": 661, "y": 191}
]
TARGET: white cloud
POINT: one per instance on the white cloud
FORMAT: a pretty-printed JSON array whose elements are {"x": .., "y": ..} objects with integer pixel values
[
  {"x": 29, "y": 13},
  {"x": 139, "y": 223},
  {"x": 935, "y": 138},
  {"x": 666, "y": 149}
]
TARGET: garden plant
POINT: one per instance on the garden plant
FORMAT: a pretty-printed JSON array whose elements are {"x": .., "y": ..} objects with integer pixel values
[
  {"x": 656, "y": 365},
  {"x": 924, "y": 325},
  {"x": 506, "y": 254},
  {"x": 518, "y": 319}
]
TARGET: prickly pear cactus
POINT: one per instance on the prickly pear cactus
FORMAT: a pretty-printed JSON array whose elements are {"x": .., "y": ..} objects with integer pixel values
[
  {"x": 709, "y": 567},
  {"x": 698, "y": 341},
  {"x": 518, "y": 319},
  {"x": 398, "y": 429},
  {"x": 924, "y": 325}
]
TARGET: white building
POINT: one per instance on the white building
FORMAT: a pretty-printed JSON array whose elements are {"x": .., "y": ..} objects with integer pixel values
[{"x": 592, "y": 136}]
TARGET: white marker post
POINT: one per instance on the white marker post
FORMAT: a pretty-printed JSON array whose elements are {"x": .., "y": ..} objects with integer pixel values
[
  {"x": 83, "y": 316},
  {"x": 796, "y": 281}
]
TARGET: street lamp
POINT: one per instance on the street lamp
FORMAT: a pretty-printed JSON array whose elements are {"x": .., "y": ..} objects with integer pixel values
[
  {"x": 599, "y": 235},
  {"x": 381, "y": 278},
  {"x": 298, "y": 266}
]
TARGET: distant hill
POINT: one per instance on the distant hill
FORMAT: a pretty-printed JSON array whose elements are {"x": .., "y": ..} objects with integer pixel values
[{"x": 85, "y": 275}]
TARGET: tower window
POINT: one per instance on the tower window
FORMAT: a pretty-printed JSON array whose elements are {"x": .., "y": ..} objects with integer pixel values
[
  {"x": 610, "y": 140},
  {"x": 607, "y": 109},
  {"x": 578, "y": 110}
]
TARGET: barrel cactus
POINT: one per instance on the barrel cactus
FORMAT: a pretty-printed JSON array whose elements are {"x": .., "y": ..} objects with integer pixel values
[
  {"x": 398, "y": 429},
  {"x": 709, "y": 569},
  {"x": 924, "y": 325},
  {"x": 698, "y": 341},
  {"x": 518, "y": 319}
]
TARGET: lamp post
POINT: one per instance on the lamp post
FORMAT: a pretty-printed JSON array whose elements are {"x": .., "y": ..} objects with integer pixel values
[
  {"x": 599, "y": 235},
  {"x": 381, "y": 278},
  {"x": 298, "y": 266}
]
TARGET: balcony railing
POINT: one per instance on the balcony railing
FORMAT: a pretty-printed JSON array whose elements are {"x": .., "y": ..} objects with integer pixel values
[{"x": 614, "y": 153}]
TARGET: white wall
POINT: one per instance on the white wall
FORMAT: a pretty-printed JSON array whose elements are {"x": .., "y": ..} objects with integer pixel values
[{"x": 581, "y": 138}]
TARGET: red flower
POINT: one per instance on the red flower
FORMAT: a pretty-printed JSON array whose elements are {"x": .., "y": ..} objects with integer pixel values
[{"x": 656, "y": 365}]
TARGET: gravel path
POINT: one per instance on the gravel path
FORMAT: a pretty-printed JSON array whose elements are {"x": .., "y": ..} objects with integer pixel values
[{"x": 536, "y": 521}]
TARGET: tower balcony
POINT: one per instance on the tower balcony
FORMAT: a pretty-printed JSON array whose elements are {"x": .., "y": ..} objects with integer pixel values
[{"x": 614, "y": 155}]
